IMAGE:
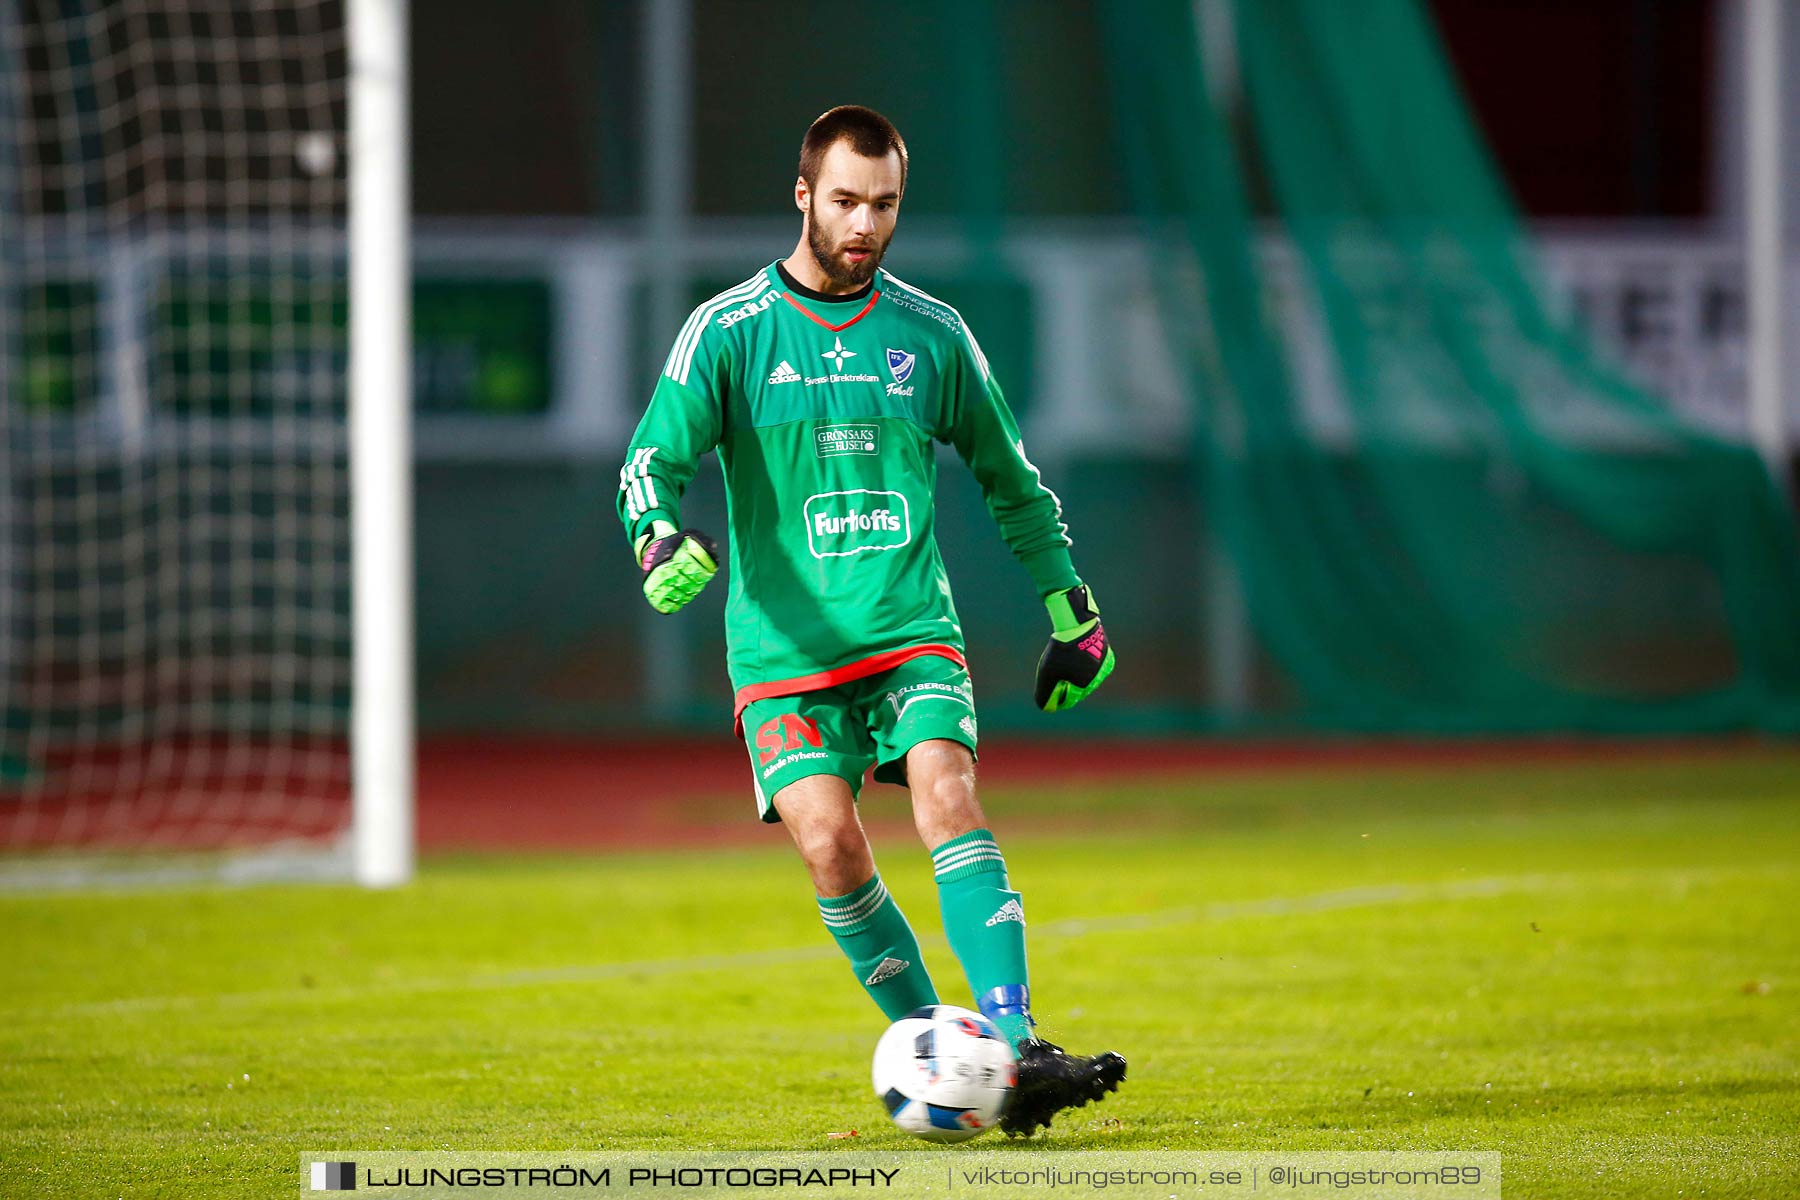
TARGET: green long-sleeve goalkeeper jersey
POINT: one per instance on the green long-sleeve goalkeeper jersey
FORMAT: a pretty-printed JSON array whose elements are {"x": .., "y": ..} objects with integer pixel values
[{"x": 824, "y": 414}]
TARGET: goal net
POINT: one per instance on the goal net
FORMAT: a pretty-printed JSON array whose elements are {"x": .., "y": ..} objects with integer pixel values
[{"x": 175, "y": 616}]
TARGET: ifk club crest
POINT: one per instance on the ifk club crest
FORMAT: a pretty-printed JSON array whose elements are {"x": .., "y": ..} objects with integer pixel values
[{"x": 900, "y": 363}]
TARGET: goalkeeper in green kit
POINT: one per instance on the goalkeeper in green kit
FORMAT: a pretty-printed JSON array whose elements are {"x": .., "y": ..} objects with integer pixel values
[{"x": 823, "y": 382}]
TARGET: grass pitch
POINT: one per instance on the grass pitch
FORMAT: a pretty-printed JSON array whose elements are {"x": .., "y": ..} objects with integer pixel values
[{"x": 1592, "y": 968}]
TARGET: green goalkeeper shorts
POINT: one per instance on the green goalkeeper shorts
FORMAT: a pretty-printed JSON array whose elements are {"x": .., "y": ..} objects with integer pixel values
[{"x": 842, "y": 730}]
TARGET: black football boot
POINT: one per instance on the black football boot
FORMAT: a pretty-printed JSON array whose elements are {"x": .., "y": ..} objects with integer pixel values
[{"x": 1050, "y": 1080}]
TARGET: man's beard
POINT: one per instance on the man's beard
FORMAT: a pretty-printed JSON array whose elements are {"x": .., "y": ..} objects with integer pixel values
[{"x": 843, "y": 277}]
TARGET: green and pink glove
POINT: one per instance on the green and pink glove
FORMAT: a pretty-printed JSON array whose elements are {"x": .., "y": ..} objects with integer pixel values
[
  {"x": 1078, "y": 658},
  {"x": 676, "y": 565}
]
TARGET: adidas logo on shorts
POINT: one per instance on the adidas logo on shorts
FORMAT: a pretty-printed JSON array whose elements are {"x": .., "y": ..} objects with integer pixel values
[
  {"x": 889, "y": 968},
  {"x": 1012, "y": 910},
  {"x": 784, "y": 373}
]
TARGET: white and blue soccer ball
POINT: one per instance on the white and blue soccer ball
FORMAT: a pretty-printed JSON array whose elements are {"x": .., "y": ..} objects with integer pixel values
[{"x": 944, "y": 1073}]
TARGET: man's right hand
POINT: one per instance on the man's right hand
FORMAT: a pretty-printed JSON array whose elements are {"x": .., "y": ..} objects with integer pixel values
[{"x": 676, "y": 565}]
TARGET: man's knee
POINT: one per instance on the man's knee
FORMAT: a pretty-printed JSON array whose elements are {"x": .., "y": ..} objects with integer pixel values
[
  {"x": 834, "y": 843},
  {"x": 941, "y": 774},
  {"x": 939, "y": 764},
  {"x": 822, "y": 820}
]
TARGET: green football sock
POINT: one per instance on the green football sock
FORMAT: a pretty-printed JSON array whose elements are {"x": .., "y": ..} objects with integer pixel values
[
  {"x": 873, "y": 933},
  {"x": 985, "y": 923}
]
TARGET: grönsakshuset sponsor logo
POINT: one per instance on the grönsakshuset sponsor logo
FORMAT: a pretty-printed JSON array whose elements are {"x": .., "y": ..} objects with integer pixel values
[{"x": 829, "y": 441}]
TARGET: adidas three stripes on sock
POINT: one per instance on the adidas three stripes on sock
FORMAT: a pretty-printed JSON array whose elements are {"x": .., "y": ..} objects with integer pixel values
[
  {"x": 874, "y": 935},
  {"x": 985, "y": 922}
]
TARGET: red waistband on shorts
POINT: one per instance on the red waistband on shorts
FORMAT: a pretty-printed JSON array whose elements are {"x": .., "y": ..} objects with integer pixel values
[{"x": 860, "y": 669}]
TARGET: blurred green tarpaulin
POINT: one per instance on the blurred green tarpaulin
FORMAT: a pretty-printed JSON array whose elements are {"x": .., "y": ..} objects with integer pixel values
[{"x": 1477, "y": 527}]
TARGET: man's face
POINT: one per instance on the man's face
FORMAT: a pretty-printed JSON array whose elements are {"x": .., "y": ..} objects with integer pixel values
[{"x": 850, "y": 214}]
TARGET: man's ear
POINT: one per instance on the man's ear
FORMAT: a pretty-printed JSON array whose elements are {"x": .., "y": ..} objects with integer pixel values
[{"x": 802, "y": 195}]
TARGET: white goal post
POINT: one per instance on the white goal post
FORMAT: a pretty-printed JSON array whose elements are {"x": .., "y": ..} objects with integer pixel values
[{"x": 381, "y": 444}]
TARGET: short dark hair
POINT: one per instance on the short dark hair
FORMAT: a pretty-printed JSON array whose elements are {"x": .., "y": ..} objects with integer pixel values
[{"x": 869, "y": 133}]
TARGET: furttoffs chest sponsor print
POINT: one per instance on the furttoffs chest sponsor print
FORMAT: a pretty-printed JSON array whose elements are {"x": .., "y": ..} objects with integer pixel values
[{"x": 859, "y": 521}]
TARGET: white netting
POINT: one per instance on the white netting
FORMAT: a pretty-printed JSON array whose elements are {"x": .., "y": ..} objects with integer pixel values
[{"x": 174, "y": 541}]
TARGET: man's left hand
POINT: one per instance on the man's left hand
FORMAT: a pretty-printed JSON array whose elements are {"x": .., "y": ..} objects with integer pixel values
[{"x": 1078, "y": 658}]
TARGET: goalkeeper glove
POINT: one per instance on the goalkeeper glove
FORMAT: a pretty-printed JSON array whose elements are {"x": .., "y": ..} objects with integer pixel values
[
  {"x": 1078, "y": 658},
  {"x": 675, "y": 565}
]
